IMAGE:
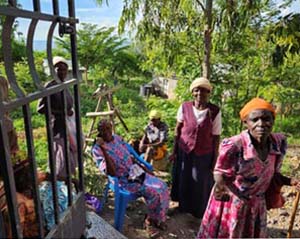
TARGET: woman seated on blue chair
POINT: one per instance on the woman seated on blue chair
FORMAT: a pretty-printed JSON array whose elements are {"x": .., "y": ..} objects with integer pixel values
[{"x": 112, "y": 156}]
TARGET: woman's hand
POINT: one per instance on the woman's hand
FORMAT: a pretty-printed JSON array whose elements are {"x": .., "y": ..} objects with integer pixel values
[
  {"x": 100, "y": 141},
  {"x": 221, "y": 192},
  {"x": 295, "y": 182}
]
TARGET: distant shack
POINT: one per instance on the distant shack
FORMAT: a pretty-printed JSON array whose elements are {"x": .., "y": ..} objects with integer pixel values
[{"x": 160, "y": 86}]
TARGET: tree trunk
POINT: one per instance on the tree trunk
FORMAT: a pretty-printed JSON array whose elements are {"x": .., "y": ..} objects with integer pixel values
[{"x": 207, "y": 39}]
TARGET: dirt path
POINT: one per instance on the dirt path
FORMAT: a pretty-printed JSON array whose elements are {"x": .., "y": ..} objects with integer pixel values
[{"x": 186, "y": 226}]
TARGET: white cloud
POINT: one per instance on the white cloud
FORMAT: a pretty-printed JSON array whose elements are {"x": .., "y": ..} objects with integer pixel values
[{"x": 88, "y": 10}]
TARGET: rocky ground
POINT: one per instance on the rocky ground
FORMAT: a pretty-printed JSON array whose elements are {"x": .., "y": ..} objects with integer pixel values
[{"x": 186, "y": 226}]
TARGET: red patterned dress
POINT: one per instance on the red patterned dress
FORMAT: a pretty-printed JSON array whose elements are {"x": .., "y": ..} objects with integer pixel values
[{"x": 248, "y": 177}]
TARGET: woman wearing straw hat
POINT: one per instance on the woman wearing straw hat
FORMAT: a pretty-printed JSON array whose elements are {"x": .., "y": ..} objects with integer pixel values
[
  {"x": 196, "y": 143},
  {"x": 248, "y": 178},
  {"x": 61, "y": 68},
  {"x": 153, "y": 142}
]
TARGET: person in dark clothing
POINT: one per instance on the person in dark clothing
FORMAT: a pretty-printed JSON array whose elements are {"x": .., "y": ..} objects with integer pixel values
[
  {"x": 61, "y": 68},
  {"x": 197, "y": 136}
]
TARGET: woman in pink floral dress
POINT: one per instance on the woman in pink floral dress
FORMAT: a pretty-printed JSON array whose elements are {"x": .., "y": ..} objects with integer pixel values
[
  {"x": 244, "y": 169},
  {"x": 112, "y": 157}
]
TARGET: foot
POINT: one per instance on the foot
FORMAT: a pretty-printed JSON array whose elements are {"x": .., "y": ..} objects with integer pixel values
[{"x": 152, "y": 232}]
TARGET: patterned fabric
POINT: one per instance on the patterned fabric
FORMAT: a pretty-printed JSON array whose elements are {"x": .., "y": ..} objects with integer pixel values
[
  {"x": 27, "y": 216},
  {"x": 244, "y": 215},
  {"x": 154, "y": 190},
  {"x": 46, "y": 197},
  {"x": 156, "y": 134}
]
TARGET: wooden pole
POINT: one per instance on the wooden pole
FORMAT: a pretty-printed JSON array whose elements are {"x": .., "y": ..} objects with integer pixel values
[
  {"x": 93, "y": 122},
  {"x": 295, "y": 206}
]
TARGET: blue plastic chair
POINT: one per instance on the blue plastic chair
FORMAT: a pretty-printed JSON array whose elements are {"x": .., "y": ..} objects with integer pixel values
[{"x": 122, "y": 196}]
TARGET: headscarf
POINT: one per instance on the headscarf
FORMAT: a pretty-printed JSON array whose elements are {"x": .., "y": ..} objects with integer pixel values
[
  {"x": 154, "y": 114},
  {"x": 201, "y": 82},
  {"x": 59, "y": 59},
  {"x": 256, "y": 104}
]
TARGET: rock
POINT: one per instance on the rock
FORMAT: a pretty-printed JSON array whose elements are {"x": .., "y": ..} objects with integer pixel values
[
  {"x": 99, "y": 228},
  {"x": 284, "y": 214},
  {"x": 283, "y": 233},
  {"x": 172, "y": 235},
  {"x": 275, "y": 221},
  {"x": 290, "y": 193}
]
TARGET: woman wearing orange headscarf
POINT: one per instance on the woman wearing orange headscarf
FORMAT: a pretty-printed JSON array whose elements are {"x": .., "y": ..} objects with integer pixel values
[{"x": 245, "y": 168}]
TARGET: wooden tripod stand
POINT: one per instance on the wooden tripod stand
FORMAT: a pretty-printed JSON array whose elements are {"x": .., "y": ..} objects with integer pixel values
[{"x": 103, "y": 92}]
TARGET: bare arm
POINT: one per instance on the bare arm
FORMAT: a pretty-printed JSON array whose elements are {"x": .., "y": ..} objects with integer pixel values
[
  {"x": 216, "y": 143},
  {"x": 110, "y": 167},
  {"x": 220, "y": 188},
  {"x": 178, "y": 128}
]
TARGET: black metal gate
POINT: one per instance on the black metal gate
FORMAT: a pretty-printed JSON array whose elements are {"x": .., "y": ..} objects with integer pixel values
[{"x": 73, "y": 222}]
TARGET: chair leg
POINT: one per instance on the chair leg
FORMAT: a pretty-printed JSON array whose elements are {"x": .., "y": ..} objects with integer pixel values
[
  {"x": 120, "y": 209},
  {"x": 105, "y": 195}
]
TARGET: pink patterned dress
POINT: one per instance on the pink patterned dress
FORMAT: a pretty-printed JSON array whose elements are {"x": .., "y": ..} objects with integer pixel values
[
  {"x": 153, "y": 189},
  {"x": 245, "y": 214}
]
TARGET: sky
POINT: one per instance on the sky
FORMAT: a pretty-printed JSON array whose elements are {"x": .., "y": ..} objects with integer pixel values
[{"x": 87, "y": 11}]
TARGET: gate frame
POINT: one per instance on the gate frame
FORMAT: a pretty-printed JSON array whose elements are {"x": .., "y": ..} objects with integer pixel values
[{"x": 72, "y": 223}]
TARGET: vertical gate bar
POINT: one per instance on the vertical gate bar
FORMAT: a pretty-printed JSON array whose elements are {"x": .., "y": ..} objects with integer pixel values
[
  {"x": 55, "y": 7},
  {"x": 33, "y": 166},
  {"x": 5, "y": 162},
  {"x": 9, "y": 182},
  {"x": 12, "y": 3},
  {"x": 36, "y": 5},
  {"x": 7, "y": 55},
  {"x": 76, "y": 94},
  {"x": 30, "y": 36},
  {"x": 66, "y": 149},
  {"x": 2, "y": 226},
  {"x": 30, "y": 57},
  {"x": 49, "y": 50},
  {"x": 52, "y": 163}
]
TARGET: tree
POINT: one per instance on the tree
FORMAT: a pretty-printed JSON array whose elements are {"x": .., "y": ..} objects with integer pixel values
[
  {"x": 18, "y": 45},
  {"x": 98, "y": 47},
  {"x": 165, "y": 22},
  {"x": 286, "y": 37}
]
